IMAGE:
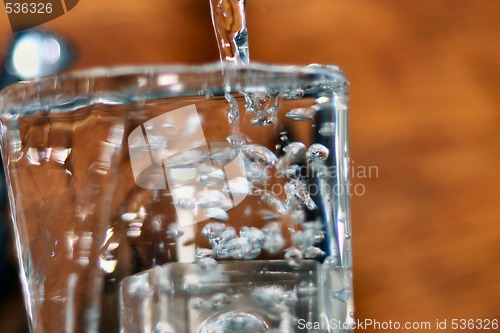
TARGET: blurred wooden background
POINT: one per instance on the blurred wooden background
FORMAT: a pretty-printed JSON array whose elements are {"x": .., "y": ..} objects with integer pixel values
[{"x": 425, "y": 110}]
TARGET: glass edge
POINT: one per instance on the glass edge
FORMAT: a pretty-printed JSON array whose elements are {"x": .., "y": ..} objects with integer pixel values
[{"x": 109, "y": 72}]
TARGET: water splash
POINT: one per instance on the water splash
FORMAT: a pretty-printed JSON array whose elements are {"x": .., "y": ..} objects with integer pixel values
[
  {"x": 265, "y": 105},
  {"x": 228, "y": 18}
]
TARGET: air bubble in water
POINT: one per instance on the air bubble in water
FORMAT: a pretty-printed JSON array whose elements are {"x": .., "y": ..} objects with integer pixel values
[
  {"x": 317, "y": 152},
  {"x": 264, "y": 105},
  {"x": 294, "y": 153},
  {"x": 307, "y": 289},
  {"x": 185, "y": 203},
  {"x": 238, "y": 187},
  {"x": 293, "y": 94},
  {"x": 318, "y": 237},
  {"x": 204, "y": 253},
  {"x": 302, "y": 114},
  {"x": 221, "y": 154},
  {"x": 252, "y": 254},
  {"x": 260, "y": 102},
  {"x": 198, "y": 304},
  {"x": 207, "y": 264},
  {"x": 205, "y": 260},
  {"x": 313, "y": 252},
  {"x": 292, "y": 171},
  {"x": 127, "y": 217},
  {"x": 157, "y": 222},
  {"x": 236, "y": 248},
  {"x": 241, "y": 247},
  {"x": 228, "y": 234},
  {"x": 263, "y": 119},
  {"x": 273, "y": 244},
  {"x": 268, "y": 215},
  {"x": 219, "y": 302},
  {"x": 323, "y": 100},
  {"x": 233, "y": 115},
  {"x": 255, "y": 238},
  {"x": 331, "y": 261},
  {"x": 327, "y": 129},
  {"x": 174, "y": 231},
  {"x": 297, "y": 192},
  {"x": 293, "y": 257},
  {"x": 255, "y": 173},
  {"x": 185, "y": 159},
  {"x": 322, "y": 172},
  {"x": 213, "y": 230},
  {"x": 254, "y": 235},
  {"x": 298, "y": 216},
  {"x": 259, "y": 154},
  {"x": 209, "y": 94},
  {"x": 234, "y": 141},
  {"x": 342, "y": 294},
  {"x": 272, "y": 228},
  {"x": 290, "y": 298},
  {"x": 299, "y": 238},
  {"x": 216, "y": 213},
  {"x": 234, "y": 322},
  {"x": 272, "y": 201},
  {"x": 268, "y": 297},
  {"x": 212, "y": 179},
  {"x": 212, "y": 198},
  {"x": 313, "y": 232},
  {"x": 284, "y": 137}
]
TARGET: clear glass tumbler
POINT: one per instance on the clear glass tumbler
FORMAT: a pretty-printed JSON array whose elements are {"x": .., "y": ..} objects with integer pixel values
[{"x": 182, "y": 199}]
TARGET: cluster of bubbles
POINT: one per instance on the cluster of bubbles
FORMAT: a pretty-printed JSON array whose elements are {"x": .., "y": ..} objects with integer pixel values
[
  {"x": 305, "y": 243},
  {"x": 250, "y": 242},
  {"x": 247, "y": 244}
]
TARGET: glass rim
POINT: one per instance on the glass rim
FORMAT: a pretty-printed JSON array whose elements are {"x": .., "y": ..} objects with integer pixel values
[{"x": 23, "y": 97}]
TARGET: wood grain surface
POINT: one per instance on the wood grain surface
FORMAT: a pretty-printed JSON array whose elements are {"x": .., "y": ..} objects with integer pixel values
[{"x": 425, "y": 111}]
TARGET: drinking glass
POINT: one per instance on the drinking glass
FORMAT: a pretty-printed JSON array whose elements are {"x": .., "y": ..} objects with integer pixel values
[{"x": 180, "y": 199}]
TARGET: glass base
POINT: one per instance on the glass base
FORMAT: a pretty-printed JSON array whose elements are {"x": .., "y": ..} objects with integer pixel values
[{"x": 236, "y": 297}]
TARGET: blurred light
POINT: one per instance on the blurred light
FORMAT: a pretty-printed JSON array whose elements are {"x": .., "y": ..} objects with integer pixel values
[
  {"x": 26, "y": 57},
  {"x": 167, "y": 79},
  {"x": 51, "y": 50}
]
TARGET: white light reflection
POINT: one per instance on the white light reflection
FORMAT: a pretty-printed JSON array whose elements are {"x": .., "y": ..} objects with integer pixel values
[
  {"x": 51, "y": 50},
  {"x": 167, "y": 79},
  {"x": 26, "y": 57}
]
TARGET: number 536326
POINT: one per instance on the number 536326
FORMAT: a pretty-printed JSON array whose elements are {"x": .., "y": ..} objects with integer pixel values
[
  {"x": 474, "y": 324},
  {"x": 28, "y": 8}
]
